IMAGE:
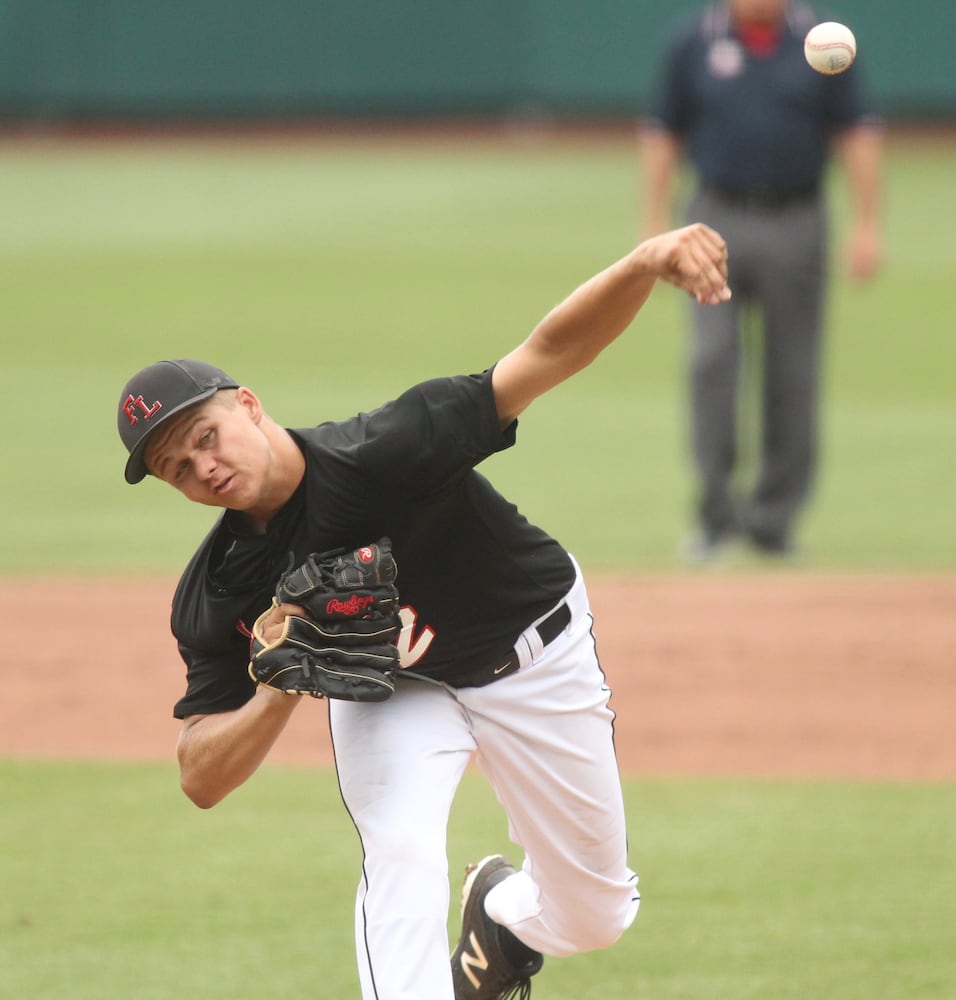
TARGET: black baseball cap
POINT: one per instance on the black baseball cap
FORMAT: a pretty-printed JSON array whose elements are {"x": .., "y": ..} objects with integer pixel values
[{"x": 157, "y": 393}]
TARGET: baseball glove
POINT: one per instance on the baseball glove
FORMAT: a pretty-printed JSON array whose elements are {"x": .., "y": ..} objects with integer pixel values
[
  {"x": 337, "y": 585},
  {"x": 343, "y": 647}
]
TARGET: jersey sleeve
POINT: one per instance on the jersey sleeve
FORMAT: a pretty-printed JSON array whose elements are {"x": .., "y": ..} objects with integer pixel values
[
  {"x": 433, "y": 434},
  {"x": 216, "y": 681},
  {"x": 211, "y": 623}
]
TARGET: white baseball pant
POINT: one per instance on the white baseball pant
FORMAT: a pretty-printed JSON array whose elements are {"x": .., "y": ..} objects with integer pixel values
[{"x": 543, "y": 736}]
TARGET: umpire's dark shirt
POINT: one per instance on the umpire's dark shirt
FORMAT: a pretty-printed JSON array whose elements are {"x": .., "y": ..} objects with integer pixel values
[{"x": 753, "y": 124}]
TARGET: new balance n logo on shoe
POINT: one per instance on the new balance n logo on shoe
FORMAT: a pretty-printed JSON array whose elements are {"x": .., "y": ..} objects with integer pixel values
[
  {"x": 473, "y": 960},
  {"x": 480, "y": 969}
]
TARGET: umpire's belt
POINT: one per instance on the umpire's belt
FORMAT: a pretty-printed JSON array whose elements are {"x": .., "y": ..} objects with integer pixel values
[
  {"x": 548, "y": 630},
  {"x": 762, "y": 199}
]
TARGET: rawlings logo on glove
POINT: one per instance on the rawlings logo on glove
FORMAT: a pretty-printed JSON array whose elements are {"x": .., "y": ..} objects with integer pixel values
[
  {"x": 343, "y": 646},
  {"x": 355, "y": 605}
]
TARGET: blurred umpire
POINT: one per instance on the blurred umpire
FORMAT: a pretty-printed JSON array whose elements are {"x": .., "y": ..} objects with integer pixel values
[{"x": 738, "y": 101}]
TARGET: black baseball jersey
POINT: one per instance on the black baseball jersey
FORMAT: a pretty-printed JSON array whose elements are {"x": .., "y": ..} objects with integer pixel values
[{"x": 473, "y": 573}]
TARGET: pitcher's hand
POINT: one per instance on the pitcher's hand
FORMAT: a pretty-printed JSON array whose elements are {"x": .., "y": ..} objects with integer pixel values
[{"x": 693, "y": 258}]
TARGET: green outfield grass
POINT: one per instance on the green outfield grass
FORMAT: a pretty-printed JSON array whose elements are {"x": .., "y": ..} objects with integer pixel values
[
  {"x": 331, "y": 276},
  {"x": 115, "y": 886}
]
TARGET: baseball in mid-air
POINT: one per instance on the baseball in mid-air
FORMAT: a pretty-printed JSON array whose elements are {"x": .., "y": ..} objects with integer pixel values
[{"x": 830, "y": 48}]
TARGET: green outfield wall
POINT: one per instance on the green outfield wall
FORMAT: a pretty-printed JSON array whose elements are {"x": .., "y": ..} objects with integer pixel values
[{"x": 153, "y": 59}]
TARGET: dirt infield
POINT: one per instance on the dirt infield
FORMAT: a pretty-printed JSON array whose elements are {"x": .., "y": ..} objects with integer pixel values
[{"x": 798, "y": 675}]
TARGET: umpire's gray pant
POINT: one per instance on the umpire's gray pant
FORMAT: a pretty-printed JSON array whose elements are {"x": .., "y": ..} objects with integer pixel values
[{"x": 777, "y": 265}]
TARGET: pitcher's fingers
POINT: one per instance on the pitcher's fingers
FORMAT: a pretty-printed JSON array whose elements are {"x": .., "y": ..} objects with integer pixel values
[
  {"x": 713, "y": 237},
  {"x": 709, "y": 277},
  {"x": 714, "y": 247}
]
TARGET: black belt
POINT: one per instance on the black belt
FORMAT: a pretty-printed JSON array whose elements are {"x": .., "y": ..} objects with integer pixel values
[
  {"x": 554, "y": 624},
  {"x": 763, "y": 200},
  {"x": 548, "y": 630}
]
